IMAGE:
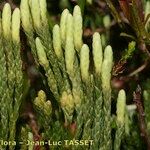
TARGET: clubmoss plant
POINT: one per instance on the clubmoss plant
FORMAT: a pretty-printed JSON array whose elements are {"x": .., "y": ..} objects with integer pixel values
[{"x": 72, "y": 100}]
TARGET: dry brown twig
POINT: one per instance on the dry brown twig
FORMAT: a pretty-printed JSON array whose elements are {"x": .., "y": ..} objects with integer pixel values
[{"x": 141, "y": 115}]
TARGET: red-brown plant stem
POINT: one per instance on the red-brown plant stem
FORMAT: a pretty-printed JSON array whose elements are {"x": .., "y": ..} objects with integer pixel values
[
  {"x": 35, "y": 130},
  {"x": 141, "y": 115}
]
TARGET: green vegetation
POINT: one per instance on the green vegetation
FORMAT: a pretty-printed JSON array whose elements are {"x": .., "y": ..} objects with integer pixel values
[{"x": 75, "y": 77}]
